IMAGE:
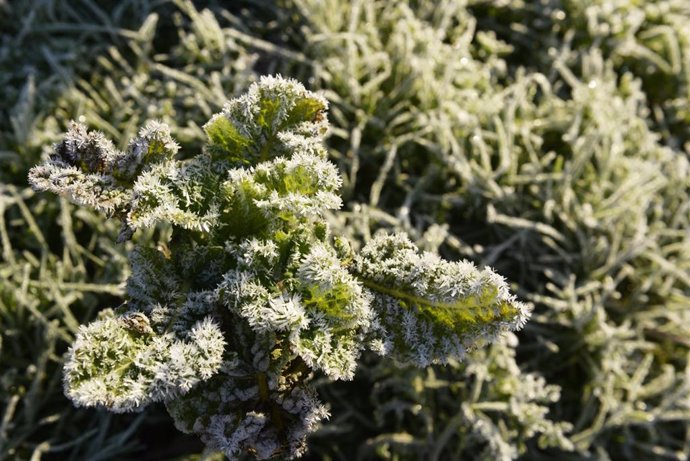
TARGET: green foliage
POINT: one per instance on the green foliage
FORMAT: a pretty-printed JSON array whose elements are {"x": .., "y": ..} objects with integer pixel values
[
  {"x": 427, "y": 302},
  {"x": 548, "y": 139},
  {"x": 231, "y": 347},
  {"x": 120, "y": 363}
]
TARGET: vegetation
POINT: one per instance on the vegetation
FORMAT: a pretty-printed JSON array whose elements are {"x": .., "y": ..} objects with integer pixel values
[{"x": 548, "y": 139}]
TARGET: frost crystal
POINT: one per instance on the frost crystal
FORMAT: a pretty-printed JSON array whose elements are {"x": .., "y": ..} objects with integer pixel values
[{"x": 252, "y": 297}]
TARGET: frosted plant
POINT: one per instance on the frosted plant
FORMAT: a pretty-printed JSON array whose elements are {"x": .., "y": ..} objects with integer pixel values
[{"x": 253, "y": 296}]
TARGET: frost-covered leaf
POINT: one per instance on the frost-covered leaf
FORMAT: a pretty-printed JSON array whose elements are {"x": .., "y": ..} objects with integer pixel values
[
  {"x": 435, "y": 310},
  {"x": 122, "y": 364},
  {"x": 255, "y": 127}
]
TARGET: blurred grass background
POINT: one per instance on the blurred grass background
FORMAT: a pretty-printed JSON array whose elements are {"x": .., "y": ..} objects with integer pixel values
[{"x": 547, "y": 138}]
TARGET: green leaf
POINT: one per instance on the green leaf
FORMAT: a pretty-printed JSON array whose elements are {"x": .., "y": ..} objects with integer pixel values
[{"x": 225, "y": 141}]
